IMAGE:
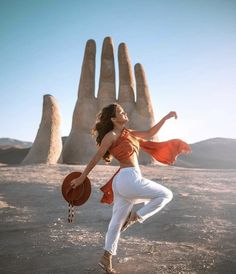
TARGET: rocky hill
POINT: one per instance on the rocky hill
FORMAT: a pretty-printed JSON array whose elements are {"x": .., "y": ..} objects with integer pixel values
[
  {"x": 210, "y": 153},
  {"x": 6, "y": 143}
]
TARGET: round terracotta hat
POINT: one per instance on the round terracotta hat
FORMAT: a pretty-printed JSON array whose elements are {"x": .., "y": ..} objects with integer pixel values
[{"x": 79, "y": 195}]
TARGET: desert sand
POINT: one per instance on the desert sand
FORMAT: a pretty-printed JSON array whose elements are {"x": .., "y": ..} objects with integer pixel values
[{"x": 194, "y": 233}]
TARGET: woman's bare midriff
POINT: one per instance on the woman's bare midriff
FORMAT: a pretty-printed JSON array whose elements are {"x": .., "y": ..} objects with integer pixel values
[{"x": 130, "y": 162}]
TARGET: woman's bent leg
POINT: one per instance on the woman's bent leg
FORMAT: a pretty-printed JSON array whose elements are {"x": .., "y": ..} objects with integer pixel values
[
  {"x": 121, "y": 209},
  {"x": 152, "y": 207},
  {"x": 138, "y": 187},
  {"x": 159, "y": 196}
]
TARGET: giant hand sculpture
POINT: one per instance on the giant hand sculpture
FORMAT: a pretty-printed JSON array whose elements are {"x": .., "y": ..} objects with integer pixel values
[{"x": 80, "y": 146}]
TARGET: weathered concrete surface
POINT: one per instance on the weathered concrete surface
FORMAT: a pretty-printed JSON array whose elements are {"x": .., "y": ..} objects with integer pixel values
[
  {"x": 194, "y": 233},
  {"x": 107, "y": 87},
  {"x": 80, "y": 145},
  {"x": 47, "y": 145}
]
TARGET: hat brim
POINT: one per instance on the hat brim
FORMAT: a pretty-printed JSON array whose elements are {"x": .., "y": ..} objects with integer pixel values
[{"x": 79, "y": 195}]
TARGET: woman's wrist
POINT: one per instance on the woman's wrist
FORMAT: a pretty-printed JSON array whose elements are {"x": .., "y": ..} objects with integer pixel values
[
  {"x": 82, "y": 176},
  {"x": 164, "y": 118}
]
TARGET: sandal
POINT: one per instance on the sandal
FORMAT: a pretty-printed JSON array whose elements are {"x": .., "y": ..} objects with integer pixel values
[
  {"x": 107, "y": 268},
  {"x": 128, "y": 223}
]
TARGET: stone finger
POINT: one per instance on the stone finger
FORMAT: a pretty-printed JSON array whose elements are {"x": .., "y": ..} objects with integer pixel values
[
  {"x": 143, "y": 102},
  {"x": 126, "y": 82},
  {"x": 107, "y": 89}
]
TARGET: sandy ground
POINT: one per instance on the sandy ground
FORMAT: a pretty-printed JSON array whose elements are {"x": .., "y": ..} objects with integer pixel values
[{"x": 194, "y": 233}]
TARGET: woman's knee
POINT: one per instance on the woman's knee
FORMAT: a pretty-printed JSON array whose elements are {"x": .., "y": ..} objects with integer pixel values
[{"x": 168, "y": 194}]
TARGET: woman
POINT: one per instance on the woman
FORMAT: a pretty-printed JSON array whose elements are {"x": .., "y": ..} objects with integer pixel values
[{"x": 127, "y": 186}]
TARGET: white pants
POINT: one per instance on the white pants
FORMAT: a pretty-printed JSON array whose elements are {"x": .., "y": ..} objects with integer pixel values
[{"x": 131, "y": 188}]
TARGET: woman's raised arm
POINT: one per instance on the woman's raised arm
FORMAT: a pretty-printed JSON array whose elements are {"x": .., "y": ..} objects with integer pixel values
[{"x": 153, "y": 130}]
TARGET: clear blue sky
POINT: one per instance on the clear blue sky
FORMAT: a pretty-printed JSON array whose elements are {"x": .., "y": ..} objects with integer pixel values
[{"x": 187, "y": 49}]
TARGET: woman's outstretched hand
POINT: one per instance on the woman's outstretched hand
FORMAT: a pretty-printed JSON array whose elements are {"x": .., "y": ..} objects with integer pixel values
[
  {"x": 171, "y": 114},
  {"x": 76, "y": 182}
]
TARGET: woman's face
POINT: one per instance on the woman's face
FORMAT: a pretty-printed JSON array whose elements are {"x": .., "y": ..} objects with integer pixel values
[{"x": 121, "y": 115}]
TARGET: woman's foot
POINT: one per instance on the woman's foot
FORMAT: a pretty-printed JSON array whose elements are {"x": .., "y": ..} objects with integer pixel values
[
  {"x": 106, "y": 264},
  {"x": 131, "y": 219}
]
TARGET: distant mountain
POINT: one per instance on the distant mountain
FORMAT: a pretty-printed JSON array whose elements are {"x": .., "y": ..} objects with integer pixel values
[
  {"x": 219, "y": 153},
  {"x": 210, "y": 153},
  {"x": 8, "y": 142},
  {"x": 13, "y": 151},
  {"x": 13, "y": 155}
]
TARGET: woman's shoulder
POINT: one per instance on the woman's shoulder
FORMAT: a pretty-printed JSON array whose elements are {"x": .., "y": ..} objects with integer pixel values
[
  {"x": 111, "y": 135},
  {"x": 116, "y": 136}
]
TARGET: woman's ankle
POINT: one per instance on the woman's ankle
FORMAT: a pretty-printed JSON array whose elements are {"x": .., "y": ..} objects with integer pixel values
[
  {"x": 107, "y": 254},
  {"x": 134, "y": 217}
]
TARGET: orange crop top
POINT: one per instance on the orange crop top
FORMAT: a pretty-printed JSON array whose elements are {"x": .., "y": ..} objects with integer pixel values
[{"x": 126, "y": 144}]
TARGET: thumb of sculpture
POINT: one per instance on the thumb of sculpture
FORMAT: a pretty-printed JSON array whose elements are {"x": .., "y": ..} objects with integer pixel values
[{"x": 47, "y": 145}]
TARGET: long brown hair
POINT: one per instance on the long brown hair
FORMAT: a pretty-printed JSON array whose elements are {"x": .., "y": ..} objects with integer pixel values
[{"x": 103, "y": 125}]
